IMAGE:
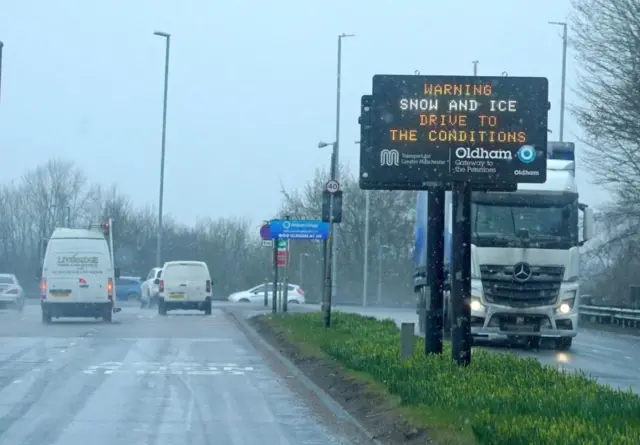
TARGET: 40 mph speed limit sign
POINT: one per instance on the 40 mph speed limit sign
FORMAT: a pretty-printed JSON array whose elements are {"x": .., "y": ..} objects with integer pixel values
[{"x": 332, "y": 186}]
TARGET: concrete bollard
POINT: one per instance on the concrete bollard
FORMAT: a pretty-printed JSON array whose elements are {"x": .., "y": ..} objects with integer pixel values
[{"x": 407, "y": 332}]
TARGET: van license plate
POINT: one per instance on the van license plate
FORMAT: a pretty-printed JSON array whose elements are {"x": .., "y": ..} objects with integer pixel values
[
  {"x": 60, "y": 293},
  {"x": 176, "y": 296}
]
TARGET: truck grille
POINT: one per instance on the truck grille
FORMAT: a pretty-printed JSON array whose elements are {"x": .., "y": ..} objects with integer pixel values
[{"x": 541, "y": 289}]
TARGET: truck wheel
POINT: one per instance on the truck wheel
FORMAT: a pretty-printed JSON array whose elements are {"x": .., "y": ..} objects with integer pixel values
[
  {"x": 207, "y": 307},
  {"x": 108, "y": 315},
  {"x": 564, "y": 343},
  {"x": 534, "y": 342},
  {"x": 46, "y": 317}
]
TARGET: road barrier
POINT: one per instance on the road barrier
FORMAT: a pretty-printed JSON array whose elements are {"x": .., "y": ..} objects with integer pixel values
[{"x": 616, "y": 316}]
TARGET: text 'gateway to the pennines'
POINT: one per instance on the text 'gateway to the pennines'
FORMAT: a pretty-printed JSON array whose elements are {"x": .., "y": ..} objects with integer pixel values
[{"x": 458, "y": 113}]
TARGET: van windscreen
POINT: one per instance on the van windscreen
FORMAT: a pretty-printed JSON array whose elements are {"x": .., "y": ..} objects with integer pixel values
[{"x": 185, "y": 272}]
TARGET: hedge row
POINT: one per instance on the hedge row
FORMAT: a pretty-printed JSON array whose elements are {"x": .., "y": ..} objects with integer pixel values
[{"x": 506, "y": 399}]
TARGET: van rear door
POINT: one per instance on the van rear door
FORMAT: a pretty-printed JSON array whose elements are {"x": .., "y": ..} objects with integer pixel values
[
  {"x": 77, "y": 277},
  {"x": 185, "y": 281}
]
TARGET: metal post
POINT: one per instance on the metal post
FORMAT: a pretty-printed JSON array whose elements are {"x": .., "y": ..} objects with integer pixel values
[
  {"x": 328, "y": 269},
  {"x": 266, "y": 292},
  {"x": 336, "y": 164},
  {"x": 1, "y": 46},
  {"x": 274, "y": 296},
  {"x": 434, "y": 316},
  {"x": 475, "y": 67},
  {"x": 68, "y": 216},
  {"x": 379, "y": 273},
  {"x": 285, "y": 288},
  {"x": 407, "y": 334},
  {"x": 365, "y": 266},
  {"x": 461, "y": 274},
  {"x": 285, "y": 277},
  {"x": 164, "y": 139},
  {"x": 300, "y": 269},
  {"x": 564, "y": 74},
  {"x": 564, "y": 80}
]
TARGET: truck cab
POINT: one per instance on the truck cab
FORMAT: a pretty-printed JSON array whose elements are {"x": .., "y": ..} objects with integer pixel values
[{"x": 525, "y": 256}]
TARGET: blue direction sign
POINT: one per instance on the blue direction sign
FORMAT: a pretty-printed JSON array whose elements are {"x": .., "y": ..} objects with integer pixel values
[{"x": 299, "y": 229}]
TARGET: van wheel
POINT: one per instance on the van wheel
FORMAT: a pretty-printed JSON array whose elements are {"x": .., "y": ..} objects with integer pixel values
[
  {"x": 207, "y": 307},
  {"x": 46, "y": 317},
  {"x": 108, "y": 316},
  {"x": 162, "y": 308}
]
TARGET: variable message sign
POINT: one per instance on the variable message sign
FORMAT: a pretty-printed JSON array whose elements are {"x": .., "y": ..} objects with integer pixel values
[{"x": 442, "y": 129}]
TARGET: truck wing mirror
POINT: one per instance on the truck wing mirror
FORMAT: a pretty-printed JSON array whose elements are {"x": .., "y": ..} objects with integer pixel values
[{"x": 587, "y": 224}]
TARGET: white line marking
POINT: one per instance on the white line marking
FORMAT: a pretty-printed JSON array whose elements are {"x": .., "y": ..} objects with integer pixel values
[{"x": 17, "y": 381}]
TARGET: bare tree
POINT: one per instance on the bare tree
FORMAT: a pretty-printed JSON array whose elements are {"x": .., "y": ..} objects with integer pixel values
[
  {"x": 606, "y": 39},
  {"x": 391, "y": 222}
]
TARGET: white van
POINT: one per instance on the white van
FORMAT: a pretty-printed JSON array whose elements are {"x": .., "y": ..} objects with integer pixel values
[
  {"x": 184, "y": 285},
  {"x": 78, "y": 276}
]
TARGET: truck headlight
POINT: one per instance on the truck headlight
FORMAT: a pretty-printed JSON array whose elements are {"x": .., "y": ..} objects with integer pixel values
[
  {"x": 567, "y": 302},
  {"x": 476, "y": 304}
]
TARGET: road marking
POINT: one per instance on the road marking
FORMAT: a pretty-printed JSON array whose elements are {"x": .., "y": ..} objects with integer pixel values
[
  {"x": 173, "y": 368},
  {"x": 17, "y": 381}
]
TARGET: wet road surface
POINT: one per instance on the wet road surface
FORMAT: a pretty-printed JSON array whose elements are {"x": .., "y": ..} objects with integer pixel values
[{"x": 145, "y": 379}]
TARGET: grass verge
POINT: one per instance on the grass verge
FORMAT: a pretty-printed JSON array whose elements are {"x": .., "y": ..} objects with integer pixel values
[{"x": 499, "y": 400}]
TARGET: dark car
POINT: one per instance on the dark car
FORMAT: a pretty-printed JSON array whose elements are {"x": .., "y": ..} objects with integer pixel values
[{"x": 128, "y": 288}]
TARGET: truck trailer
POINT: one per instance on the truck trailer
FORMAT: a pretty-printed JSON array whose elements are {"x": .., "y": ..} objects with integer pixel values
[{"x": 525, "y": 255}]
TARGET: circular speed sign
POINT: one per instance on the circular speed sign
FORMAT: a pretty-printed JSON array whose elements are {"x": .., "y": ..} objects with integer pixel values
[{"x": 332, "y": 186}]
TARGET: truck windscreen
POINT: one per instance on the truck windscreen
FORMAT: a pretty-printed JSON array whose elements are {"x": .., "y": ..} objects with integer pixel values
[{"x": 550, "y": 227}]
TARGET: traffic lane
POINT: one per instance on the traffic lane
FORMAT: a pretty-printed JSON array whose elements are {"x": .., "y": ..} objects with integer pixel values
[
  {"x": 181, "y": 379},
  {"x": 609, "y": 357}
]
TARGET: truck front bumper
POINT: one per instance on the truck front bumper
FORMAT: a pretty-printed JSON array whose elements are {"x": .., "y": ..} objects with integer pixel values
[{"x": 502, "y": 322}]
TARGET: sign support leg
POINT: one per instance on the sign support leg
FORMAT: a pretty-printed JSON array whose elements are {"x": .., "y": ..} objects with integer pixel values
[
  {"x": 461, "y": 274},
  {"x": 435, "y": 272},
  {"x": 274, "y": 296}
]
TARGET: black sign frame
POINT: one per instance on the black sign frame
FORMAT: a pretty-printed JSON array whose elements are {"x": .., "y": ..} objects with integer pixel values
[{"x": 380, "y": 112}]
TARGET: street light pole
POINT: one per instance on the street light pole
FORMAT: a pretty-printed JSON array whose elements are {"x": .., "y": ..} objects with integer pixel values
[
  {"x": 335, "y": 166},
  {"x": 167, "y": 38},
  {"x": 1, "y": 46},
  {"x": 382, "y": 246},
  {"x": 564, "y": 74}
]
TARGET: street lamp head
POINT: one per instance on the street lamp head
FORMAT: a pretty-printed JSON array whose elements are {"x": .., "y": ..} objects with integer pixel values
[
  {"x": 343, "y": 35},
  {"x": 558, "y": 23},
  {"x": 325, "y": 144},
  {"x": 162, "y": 34}
]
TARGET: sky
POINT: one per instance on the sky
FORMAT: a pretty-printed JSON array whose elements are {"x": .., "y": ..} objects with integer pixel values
[{"x": 252, "y": 86}]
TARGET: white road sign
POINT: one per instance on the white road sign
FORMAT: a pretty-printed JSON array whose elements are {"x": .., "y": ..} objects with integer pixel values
[{"x": 332, "y": 186}]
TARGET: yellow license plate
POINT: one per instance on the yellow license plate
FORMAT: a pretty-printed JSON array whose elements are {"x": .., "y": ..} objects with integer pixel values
[
  {"x": 60, "y": 294},
  {"x": 176, "y": 296}
]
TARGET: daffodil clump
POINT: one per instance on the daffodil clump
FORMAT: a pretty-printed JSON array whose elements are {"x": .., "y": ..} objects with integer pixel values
[{"x": 506, "y": 400}]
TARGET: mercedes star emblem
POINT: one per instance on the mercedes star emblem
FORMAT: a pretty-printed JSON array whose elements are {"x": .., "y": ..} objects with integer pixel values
[{"x": 521, "y": 272}]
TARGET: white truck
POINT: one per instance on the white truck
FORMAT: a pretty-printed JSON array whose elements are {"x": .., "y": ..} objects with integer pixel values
[{"x": 525, "y": 258}]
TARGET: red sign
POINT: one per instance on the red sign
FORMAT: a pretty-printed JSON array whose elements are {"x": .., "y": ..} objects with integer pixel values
[
  {"x": 282, "y": 258},
  {"x": 265, "y": 232}
]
